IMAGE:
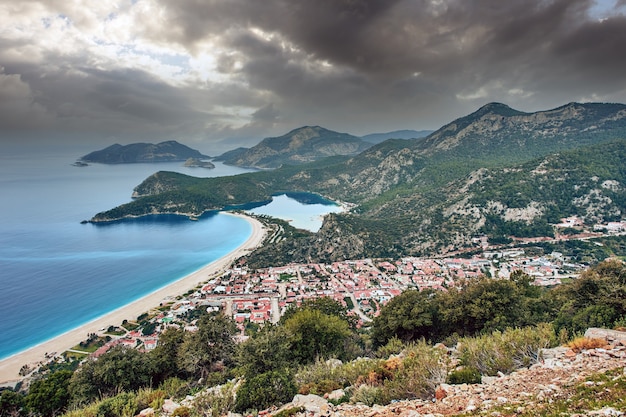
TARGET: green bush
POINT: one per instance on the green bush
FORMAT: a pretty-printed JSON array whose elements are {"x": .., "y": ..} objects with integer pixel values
[
  {"x": 216, "y": 401},
  {"x": 122, "y": 405},
  {"x": 506, "y": 351},
  {"x": 182, "y": 411},
  {"x": 175, "y": 387},
  {"x": 147, "y": 397},
  {"x": 393, "y": 347},
  {"x": 367, "y": 394},
  {"x": 325, "y": 376},
  {"x": 464, "y": 376},
  {"x": 421, "y": 371},
  {"x": 265, "y": 390}
]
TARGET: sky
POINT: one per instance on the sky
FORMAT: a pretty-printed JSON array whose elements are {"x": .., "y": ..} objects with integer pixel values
[{"x": 217, "y": 74}]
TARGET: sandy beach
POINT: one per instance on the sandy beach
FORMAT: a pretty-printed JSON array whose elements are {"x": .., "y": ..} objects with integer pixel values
[{"x": 9, "y": 367}]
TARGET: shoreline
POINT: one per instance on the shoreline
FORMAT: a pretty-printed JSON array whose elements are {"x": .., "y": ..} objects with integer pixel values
[{"x": 10, "y": 367}]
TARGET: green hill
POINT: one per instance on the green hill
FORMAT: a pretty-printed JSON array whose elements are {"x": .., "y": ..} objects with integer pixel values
[{"x": 496, "y": 171}]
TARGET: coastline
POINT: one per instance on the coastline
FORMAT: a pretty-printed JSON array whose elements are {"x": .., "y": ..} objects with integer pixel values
[{"x": 10, "y": 367}]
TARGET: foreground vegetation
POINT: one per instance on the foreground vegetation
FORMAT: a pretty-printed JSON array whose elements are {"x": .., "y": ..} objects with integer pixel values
[{"x": 498, "y": 326}]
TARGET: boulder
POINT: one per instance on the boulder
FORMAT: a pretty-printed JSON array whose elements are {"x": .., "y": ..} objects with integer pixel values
[
  {"x": 614, "y": 337},
  {"x": 169, "y": 406},
  {"x": 311, "y": 403}
]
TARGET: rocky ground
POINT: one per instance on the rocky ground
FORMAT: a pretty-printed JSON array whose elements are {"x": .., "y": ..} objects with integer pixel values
[
  {"x": 524, "y": 393},
  {"x": 521, "y": 392}
]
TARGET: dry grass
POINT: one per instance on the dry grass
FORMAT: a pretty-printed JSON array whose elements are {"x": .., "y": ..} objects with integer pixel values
[{"x": 584, "y": 343}]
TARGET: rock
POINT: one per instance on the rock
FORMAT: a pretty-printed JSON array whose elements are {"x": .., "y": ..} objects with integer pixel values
[
  {"x": 488, "y": 379},
  {"x": 570, "y": 353},
  {"x": 146, "y": 412},
  {"x": 169, "y": 406},
  {"x": 440, "y": 393},
  {"x": 606, "y": 411},
  {"x": 335, "y": 395},
  {"x": 311, "y": 403},
  {"x": 612, "y": 336}
]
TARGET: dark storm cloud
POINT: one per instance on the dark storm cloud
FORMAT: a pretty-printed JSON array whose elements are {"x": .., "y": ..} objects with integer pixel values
[
  {"x": 350, "y": 65},
  {"x": 546, "y": 50}
]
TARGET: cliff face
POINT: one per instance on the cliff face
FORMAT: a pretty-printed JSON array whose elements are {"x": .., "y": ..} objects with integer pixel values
[
  {"x": 143, "y": 152},
  {"x": 306, "y": 144}
]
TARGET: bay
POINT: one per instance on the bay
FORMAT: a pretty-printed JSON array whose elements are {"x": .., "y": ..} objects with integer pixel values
[{"x": 56, "y": 274}]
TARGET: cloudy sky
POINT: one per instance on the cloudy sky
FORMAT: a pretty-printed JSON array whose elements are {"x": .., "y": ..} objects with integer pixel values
[{"x": 216, "y": 74}]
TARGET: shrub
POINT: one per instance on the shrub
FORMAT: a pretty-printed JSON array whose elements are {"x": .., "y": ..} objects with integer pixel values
[
  {"x": 289, "y": 412},
  {"x": 583, "y": 343},
  {"x": 218, "y": 401},
  {"x": 393, "y": 347},
  {"x": 421, "y": 371},
  {"x": 122, "y": 405},
  {"x": 265, "y": 390},
  {"x": 464, "y": 376},
  {"x": 147, "y": 397},
  {"x": 182, "y": 411},
  {"x": 367, "y": 395},
  {"x": 175, "y": 387},
  {"x": 325, "y": 376},
  {"x": 506, "y": 351}
]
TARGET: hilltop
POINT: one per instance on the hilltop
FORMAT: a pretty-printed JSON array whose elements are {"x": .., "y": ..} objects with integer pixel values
[
  {"x": 498, "y": 172},
  {"x": 302, "y": 145},
  {"x": 169, "y": 151}
]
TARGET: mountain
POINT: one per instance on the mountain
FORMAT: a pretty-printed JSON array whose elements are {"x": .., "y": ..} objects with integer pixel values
[
  {"x": 232, "y": 155},
  {"x": 143, "y": 152},
  {"x": 396, "y": 134},
  {"x": 497, "y": 171},
  {"x": 302, "y": 145}
]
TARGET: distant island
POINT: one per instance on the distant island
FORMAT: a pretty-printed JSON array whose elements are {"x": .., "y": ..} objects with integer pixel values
[
  {"x": 198, "y": 163},
  {"x": 169, "y": 151}
]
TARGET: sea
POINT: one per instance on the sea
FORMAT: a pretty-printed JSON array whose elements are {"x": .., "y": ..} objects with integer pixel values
[{"x": 57, "y": 274}]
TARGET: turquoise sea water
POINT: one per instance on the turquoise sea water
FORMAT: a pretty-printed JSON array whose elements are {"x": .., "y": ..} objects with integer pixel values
[
  {"x": 307, "y": 216},
  {"x": 56, "y": 274}
]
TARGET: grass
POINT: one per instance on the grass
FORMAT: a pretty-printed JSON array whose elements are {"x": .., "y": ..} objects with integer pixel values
[{"x": 583, "y": 343}]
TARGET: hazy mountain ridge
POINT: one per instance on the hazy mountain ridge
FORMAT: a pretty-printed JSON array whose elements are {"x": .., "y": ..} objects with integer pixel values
[
  {"x": 396, "y": 134},
  {"x": 424, "y": 196},
  {"x": 168, "y": 151},
  {"x": 302, "y": 145}
]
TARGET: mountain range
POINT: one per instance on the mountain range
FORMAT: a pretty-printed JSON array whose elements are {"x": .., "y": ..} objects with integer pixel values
[
  {"x": 169, "y": 151},
  {"x": 497, "y": 171},
  {"x": 302, "y": 145}
]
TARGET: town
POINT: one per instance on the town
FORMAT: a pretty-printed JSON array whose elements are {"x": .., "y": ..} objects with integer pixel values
[{"x": 254, "y": 297}]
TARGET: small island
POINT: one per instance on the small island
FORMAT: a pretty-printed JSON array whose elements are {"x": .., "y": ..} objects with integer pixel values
[
  {"x": 198, "y": 163},
  {"x": 169, "y": 151}
]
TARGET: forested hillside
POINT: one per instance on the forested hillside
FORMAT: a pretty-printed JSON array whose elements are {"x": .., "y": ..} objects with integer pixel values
[{"x": 497, "y": 171}]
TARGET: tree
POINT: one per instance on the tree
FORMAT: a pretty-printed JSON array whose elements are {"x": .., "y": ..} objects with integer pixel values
[
  {"x": 483, "y": 306},
  {"x": 50, "y": 396},
  {"x": 267, "y": 350},
  {"x": 210, "y": 347},
  {"x": 410, "y": 316},
  {"x": 120, "y": 369},
  {"x": 324, "y": 305},
  {"x": 164, "y": 357},
  {"x": 313, "y": 335},
  {"x": 11, "y": 404}
]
